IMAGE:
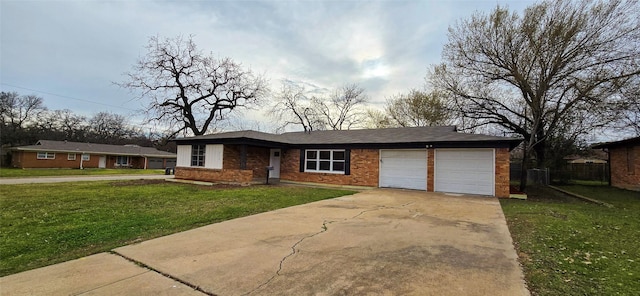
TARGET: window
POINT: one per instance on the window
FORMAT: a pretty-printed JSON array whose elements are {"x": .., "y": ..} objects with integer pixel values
[
  {"x": 330, "y": 161},
  {"x": 631, "y": 161},
  {"x": 46, "y": 155},
  {"x": 86, "y": 157},
  {"x": 122, "y": 161},
  {"x": 197, "y": 155},
  {"x": 71, "y": 156}
]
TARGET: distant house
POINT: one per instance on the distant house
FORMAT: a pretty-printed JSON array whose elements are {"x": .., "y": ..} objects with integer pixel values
[
  {"x": 63, "y": 154},
  {"x": 424, "y": 158},
  {"x": 624, "y": 160},
  {"x": 597, "y": 157}
]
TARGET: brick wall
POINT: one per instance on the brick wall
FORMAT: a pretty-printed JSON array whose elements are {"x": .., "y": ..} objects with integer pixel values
[
  {"x": 257, "y": 159},
  {"x": 502, "y": 172},
  {"x": 214, "y": 175},
  {"x": 364, "y": 169},
  {"x": 26, "y": 159},
  {"x": 621, "y": 177}
]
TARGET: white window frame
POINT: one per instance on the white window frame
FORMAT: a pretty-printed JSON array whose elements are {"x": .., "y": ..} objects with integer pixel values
[
  {"x": 122, "y": 164},
  {"x": 331, "y": 161},
  {"x": 86, "y": 157},
  {"x": 46, "y": 155},
  {"x": 196, "y": 160},
  {"x": 71, "y": 156}
]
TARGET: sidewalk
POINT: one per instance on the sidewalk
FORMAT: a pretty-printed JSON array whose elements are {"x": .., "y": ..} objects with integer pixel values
[{"x": 33, "y": 180}]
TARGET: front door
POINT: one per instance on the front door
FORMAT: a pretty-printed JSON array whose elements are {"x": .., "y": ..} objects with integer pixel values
[
  {"x": 274, "y": 161},
  {"x": 102, "y": 162}
]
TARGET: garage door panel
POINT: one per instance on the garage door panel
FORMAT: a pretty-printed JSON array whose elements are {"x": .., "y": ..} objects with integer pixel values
[
  {"x": 403, "y": 169},
  {"x": 465, "y": 171}
]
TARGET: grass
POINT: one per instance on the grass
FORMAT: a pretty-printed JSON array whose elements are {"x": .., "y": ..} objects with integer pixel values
[
  {"x": 25, "y": 173},
  {"x": 50, "y": 223},
  {"x": 571, "y": 247}
]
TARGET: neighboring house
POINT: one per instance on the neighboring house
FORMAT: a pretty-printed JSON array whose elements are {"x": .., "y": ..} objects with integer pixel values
[
  {"x": 624, "y": 162},
  {"x": 423, "y": 158},
  {"x": 574, "y": 159},
  {"x": 63, "y": 154}
]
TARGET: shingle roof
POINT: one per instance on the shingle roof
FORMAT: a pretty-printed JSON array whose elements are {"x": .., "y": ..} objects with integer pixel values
[
  {"x": 387, "y": 136},
  {"x": 78, "y": 147},
  {"x": 630, "y": 141}
]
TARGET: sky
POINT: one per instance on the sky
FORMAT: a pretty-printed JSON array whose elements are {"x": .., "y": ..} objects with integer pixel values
[{"x": 71, "y": 53}]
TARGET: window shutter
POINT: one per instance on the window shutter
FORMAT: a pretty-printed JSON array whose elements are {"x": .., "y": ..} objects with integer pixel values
[
  {"x": 347, "y": 161},
  {"x": 302, "y": 156}
]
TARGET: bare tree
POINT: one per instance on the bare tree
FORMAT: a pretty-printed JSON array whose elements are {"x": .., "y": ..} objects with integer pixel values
[
  {"x": 629, "y": 107},
  {"x": 16, "y": 110},
  {"x": 110, "y": 128},
  {"x": 533, "y": 74},
  {"x": 343, "y": 109},
  {"x": 418, "y": 108},
  {"x": 188, "y": 88},
  {"x": 293, "y": 107}
]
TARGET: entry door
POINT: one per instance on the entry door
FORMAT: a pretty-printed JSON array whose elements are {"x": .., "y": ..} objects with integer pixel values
[
  {"x": 102, "y": 163},
  {"x": 274, "y": 161}
]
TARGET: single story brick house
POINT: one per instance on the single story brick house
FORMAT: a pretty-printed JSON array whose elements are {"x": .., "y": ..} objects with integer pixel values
[
  {"x": 423, "y": 158},
  {"x": 63, "y": 154},
  {"x": 624, "y": 163}
]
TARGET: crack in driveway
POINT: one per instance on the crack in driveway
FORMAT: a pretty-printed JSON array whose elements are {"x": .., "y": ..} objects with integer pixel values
[
  {"x": 324, "y": 229},
  {"x": 149, "y": 268}
]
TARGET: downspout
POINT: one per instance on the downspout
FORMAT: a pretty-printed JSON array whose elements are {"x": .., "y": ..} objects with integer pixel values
[
  {"x": 145, "y": 162},
  {"x": 81, "y": 160}
]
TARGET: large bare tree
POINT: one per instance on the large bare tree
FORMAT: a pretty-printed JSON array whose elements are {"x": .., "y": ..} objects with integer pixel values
[
  {"x": 340, "y": 110},
  {"x": 191, "y": 89},
  {"x": 17, "y": 110},
  {"x": 292, "y": 106},
  {"x": 557, "y": 67}
]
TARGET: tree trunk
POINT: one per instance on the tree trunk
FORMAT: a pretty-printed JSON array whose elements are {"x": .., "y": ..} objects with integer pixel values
[{"x": 523, "y": 168}]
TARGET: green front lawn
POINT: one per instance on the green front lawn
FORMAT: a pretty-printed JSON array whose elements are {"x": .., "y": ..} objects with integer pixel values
[
  {"x": 571, "y": 247},
  {"x": 26, "y": 173},
  {"x": 49, "y": 223}
]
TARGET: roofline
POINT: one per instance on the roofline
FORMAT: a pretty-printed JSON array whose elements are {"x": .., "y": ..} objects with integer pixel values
[
  {"x": 93, "y": 152},
  {"x": 635, "y": 140},
  {"x": 508, "y": 143}
]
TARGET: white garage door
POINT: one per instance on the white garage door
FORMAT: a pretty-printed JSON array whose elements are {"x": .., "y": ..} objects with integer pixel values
[
  {"x": 403, "y": 169},
  {"x": 465, "y": 171}
]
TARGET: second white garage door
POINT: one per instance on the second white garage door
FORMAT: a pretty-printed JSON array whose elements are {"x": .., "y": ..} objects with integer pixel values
[
  {"x": 403, "y": 169},
  {"x": 465, "y": 171}
]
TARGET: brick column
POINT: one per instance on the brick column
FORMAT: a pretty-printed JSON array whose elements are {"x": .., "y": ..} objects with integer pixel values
[{"x": 502, "y": 172}]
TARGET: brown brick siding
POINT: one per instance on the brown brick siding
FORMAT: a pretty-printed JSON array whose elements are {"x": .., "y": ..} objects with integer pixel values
[
  {"x": 364, "y": 169},
  {"x": 257, "y": 159},
  {"x": 26, "y": 159},
  {"x": 621, "y": 177},
  {"x": 430, "y": 169},
  {"x": 502, "y": 172},
  {"x": 213, "y": 175}
]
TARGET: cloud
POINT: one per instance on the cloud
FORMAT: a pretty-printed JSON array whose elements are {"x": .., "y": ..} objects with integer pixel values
[{"x": 78, "y": 48}]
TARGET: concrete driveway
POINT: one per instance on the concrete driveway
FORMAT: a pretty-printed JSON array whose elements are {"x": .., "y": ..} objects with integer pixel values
[{"x": 377, "y": 242}]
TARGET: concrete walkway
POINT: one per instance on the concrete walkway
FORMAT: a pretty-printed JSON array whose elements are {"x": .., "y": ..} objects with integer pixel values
[
  {"x": 377, "y": 242},
  {"x": 59, "y": 179}
]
